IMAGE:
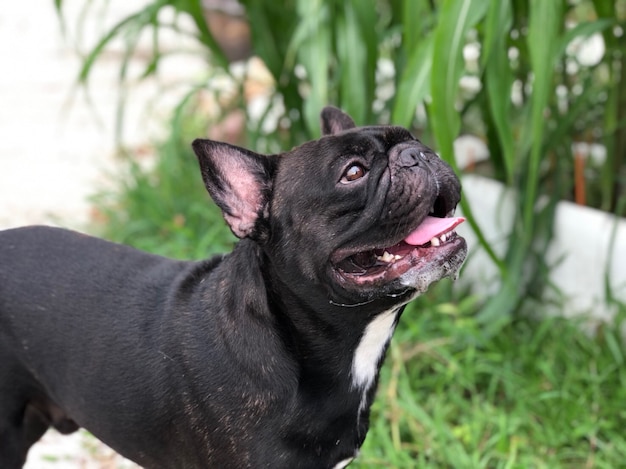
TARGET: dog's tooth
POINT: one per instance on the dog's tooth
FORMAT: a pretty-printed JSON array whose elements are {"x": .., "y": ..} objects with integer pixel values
[
  {"x": 386, "y": 257},
  {"x": 443, "y": 237},
  {"x": 435, "y": 242},
  {"x": 397, "y": 257}
]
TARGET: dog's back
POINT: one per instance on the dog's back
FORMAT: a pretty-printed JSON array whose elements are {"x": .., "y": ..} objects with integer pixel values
[
  {"x": 52, "y": 277},
  {"x": 99, "y": 335}
]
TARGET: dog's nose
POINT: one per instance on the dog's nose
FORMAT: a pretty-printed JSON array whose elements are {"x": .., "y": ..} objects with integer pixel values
[{"x": 411, "y": 157}]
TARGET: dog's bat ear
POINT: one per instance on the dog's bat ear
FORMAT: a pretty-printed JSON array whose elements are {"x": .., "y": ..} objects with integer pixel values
[
  {"x": 238, "y": 180},
  {"x": 335, "y": 120}
]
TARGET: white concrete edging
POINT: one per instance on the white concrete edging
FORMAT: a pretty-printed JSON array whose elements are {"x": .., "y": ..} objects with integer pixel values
[{"x": 581, "y": 252}]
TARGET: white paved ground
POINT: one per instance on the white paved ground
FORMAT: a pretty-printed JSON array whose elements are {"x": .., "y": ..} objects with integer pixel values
[
  {"x": 54, "y": 148},
  {"x": 54, "y": 153}
]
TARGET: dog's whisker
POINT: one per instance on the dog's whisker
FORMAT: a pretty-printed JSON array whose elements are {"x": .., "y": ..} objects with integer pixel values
[{"x": 351, "y": 305}]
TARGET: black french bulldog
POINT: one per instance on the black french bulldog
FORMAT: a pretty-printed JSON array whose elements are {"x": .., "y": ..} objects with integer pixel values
[{"x": 267, "y": 357}]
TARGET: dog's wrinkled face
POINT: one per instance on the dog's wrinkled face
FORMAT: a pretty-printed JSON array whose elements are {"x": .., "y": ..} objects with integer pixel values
[{"x": 364, "y": 212}]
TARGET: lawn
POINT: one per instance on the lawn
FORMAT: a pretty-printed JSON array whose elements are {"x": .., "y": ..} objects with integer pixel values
[{"x": 539, "y": 394}]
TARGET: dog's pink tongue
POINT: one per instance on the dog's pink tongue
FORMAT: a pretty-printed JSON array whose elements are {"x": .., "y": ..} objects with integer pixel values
[{"x": 431, "y": 227}]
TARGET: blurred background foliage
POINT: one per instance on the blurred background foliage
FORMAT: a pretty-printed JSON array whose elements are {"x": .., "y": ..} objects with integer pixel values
[
  {"x": 516, "y": 74},
  {"x": 509, "y": 72}
]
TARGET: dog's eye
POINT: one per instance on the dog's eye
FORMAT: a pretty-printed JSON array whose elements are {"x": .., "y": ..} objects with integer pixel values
[{"x": 355, "y": 171}]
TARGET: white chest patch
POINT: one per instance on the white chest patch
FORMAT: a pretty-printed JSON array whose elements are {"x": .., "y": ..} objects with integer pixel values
[
  {"x": 370, "y": 349},
  {"x": 343, "y": 464}
]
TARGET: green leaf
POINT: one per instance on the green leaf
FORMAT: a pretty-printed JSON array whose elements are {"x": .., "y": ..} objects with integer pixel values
[
  {"x": 498, "y": 78},
  {"x": 414, "y": 14},
  {"x": 58, "y": 8},
  {"x": 90, "y": 59},
  {"x": 543, "y": 36},
  {"x": 497, "y": 27},
  {"x": 605, "y": 9},
  {"x": 272, "y": 32},
  {"x": 413, "y": 67},
  {"x": 414, "y": 83},
  {"x": 194, "y": 9},
  {"x": 351, "y": 58},
  {"x": 455, "y": 20},
  {"x": 354, "y": 39},
  {"x": 311, "y": 45},
  {"x": 583, "y": 30}
]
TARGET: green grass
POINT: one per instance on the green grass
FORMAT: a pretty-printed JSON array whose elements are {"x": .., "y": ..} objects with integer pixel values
[
  {"x": 539, "y": 394},
  {"x": 166, "y": 210}
]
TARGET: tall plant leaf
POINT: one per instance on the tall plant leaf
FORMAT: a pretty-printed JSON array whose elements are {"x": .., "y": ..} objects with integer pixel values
[
  {"x": 543, "y": 36},
  {"x": 272, "y": 32},
  {"x": 357, "y": 44},
  {"x": 498, "y": 78},
  {"x": 311, "y": 48},
  {"x": 414, "y": 83},
  {"x": 542, "y": 40},
  {"x": 352, "y": 60},
  {"x": 413, "y": 65},
  {"x": 455, "y": 20},
  {"x": 194, "y": 9}
]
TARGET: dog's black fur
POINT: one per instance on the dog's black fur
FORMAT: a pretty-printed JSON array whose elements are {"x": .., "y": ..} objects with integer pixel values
[{"x": 261, "y": 358}]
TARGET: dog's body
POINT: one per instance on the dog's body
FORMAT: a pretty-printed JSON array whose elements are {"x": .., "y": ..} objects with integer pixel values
[{"x": 267, "y": 357}]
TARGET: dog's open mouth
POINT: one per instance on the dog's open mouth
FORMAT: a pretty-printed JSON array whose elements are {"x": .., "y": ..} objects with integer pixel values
[{"x": 434, "y": 240}]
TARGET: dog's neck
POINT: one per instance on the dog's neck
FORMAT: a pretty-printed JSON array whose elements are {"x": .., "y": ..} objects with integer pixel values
[{"x": 335, "y": 351}]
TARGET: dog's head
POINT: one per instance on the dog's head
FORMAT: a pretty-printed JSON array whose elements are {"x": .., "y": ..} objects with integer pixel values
[{"x": 364, "y": 214}]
